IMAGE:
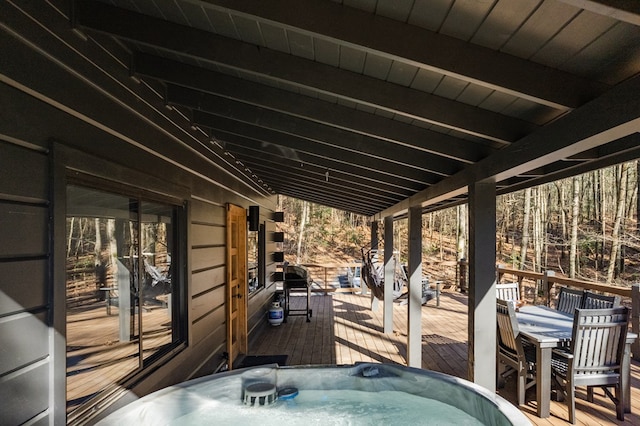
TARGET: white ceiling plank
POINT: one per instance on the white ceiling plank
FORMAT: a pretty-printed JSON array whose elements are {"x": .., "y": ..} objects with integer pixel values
[
  {"x": 503, "y": 21},
  {"x": 327, "y": 52},
  {"x": 430, "y": 14},
  {"x": 377, "y": 66},
  {"x": 352, "y": 59},
  {"x": 274, "y": 37},
  {"x": 465, "y": 18},
  {"x": 574, "y": 37},
  {"x": 394, "y": 9},
  {"x": 249, "y": 30},
  {"x": 301, "y": 45},
  {"x": 545, "y": 22}
]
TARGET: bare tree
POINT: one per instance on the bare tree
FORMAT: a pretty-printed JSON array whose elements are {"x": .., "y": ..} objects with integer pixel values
[
  {"x": 525, "y": 227},
  {"x": 621, "y": 175},
  {"x": 573, "y": 251},
  {"x": 303, "y": 222},
  {"x": 462, "y": 231}
]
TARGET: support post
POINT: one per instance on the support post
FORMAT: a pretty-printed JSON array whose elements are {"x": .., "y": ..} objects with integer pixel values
[
  {"x": 374, "y": 247},
  {"x": 546, "y": 286},
  {"x": 635, "y": 320},
  {"x": 389, "y": 275},
  {"x": 482, "y": 284},
  {"x": 414, "y": 334}
]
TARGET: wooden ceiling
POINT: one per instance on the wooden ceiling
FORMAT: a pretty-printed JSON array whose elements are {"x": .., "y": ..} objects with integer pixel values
[{"x": 374, "y": 106}]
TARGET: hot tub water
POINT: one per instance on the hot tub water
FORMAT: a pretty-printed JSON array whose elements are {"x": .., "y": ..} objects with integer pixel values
[
  {"x": 363, "y": 394},
  {"x": 335, "y": 407}
]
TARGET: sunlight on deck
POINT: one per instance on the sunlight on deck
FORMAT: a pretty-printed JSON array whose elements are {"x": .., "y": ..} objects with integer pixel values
[{"x": 343, "y": 330}]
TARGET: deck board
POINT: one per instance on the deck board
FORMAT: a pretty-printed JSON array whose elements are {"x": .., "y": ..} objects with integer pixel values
[{"x": 343, "y": 330}]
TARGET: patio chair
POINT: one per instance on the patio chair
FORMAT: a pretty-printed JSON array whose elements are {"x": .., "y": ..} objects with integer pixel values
[
  {"x": 517, "y": 354},
  {"x": 599, "y": 301},
  {"x": 594, "y": 357},
  {"x": 569, "y": 299},
  {"x": 508, "y": 291}
]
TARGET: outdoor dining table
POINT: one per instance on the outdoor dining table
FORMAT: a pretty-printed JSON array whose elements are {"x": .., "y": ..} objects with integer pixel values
[{"x": 549, "y": 328}]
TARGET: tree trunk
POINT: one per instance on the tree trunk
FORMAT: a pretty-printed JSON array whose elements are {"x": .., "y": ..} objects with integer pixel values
[
  {"x": 70, "y": 238},
  {"x": 573, "y": 251},
  {"x": 462, "y": 231},
  {"x": 603, "y": 213},
  {"x": 563, "y": 218},
  {"x": 536, "y": 231},
  {"x": 303, "y": 222},
  {"x": 615, "y": 233},
  {"x": 525, "y": 227}
]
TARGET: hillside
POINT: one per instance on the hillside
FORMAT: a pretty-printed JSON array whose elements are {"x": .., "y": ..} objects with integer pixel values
[{"x": 333, "y": 237}]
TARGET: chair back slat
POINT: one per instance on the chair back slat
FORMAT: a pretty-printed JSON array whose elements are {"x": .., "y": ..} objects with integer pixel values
[
  {"x": 599, "y": 301},
  {"x": 569, "y": 299},
  {"x": 508, "y": 291}
]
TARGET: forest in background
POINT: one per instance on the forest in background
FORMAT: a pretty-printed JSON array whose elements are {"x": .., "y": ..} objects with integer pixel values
[{"x": 584, "y": 227}]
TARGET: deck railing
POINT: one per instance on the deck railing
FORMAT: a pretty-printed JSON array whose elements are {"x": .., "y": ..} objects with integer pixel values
[
  {"x": 326, "y": 278},
  {"x": 545, "y": 291}
]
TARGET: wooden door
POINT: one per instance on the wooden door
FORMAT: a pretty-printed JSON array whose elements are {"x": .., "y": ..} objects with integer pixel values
[{"x": 236, "y": 282}]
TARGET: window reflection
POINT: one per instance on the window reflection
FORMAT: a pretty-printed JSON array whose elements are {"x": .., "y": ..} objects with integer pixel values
[
  {"x": 253, "y": 275},
  {"x": 119, "y": 287}
]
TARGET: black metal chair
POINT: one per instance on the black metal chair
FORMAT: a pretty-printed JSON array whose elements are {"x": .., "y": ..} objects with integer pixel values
[
  {"x": 599, "y": 301},
  {"x": 518, "y": 356},
  {"x": 594, "y": 357},
  {"x": 569, "y": 299}
]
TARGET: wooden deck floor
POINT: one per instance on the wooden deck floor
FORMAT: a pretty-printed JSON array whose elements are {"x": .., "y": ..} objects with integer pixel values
[{"x": 343, "y": 330}]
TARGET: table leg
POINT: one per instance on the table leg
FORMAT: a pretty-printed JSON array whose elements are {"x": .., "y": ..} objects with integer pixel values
[{"x": 543, "y": 381}]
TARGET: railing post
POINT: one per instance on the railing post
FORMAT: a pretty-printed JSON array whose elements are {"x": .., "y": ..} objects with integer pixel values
[
  {"x": 635, "y": 320},
  {"x": 462, "y": 283},
  {"x": 546, "y": 286}
]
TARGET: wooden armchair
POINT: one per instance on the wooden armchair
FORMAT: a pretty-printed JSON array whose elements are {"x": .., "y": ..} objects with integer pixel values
[
  {"x": 594, "y": 357},
  {"x": 569, "y": 299},
  {"x": 518, "y": 356},
  {"x": 508, "y": 291}
]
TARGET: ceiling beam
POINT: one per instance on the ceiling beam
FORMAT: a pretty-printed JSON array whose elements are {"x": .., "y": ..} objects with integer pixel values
[
  {"x": 257, "y": 149},
  {"x": 622, "y": 10},
  {"x": 314, "y": 173},
  {"x": 337, "y": 203},
  {"x": 616, "y": 152},
  {"x": 291, "y": 145},
  {"x": 398, "y": 41},
  {"x": 210, "y": 82},
  {"x": 271, "y": 173},
  {"x": 612, "y": 116},
  {"x": 314, "y": 193},
  {"x": 278, "y": 66},
  {"x": 329, "y": 136}
]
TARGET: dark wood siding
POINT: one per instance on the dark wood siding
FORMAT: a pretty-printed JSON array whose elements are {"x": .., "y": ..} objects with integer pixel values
[
  {"x": 88, "y": 115},
  {"x": 24, "y": 362}
]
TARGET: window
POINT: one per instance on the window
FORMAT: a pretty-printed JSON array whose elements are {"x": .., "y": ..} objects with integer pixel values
[
  {"x": 124, "y": 292},
  {"x": 255, "y": 259}
]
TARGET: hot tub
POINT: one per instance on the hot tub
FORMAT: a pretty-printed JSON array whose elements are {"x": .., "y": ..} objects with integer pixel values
[{"x": 362, "y": 394}]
